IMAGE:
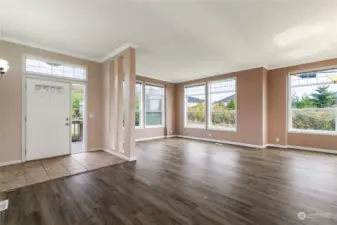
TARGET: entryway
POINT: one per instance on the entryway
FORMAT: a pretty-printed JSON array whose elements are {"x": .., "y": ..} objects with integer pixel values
[
  {"x": 37, "y": 171},
  {"x": 55, "y": 118}
]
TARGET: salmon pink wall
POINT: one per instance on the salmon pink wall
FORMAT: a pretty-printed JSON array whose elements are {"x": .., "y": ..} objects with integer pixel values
[
  {"x": 251, "y": 109},
  {"x": 277, "y": 108},
  {"x": 261, "y": 105}
]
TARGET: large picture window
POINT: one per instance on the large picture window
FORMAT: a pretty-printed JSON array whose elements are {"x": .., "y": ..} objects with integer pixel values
[
  {"x": 312, "y": 101},
  {"x": 195, "y": 106},
  {"x": 138, "y": 105},
  {"x": 154, "y": 105},
  {"x": 222, "y": 104}
]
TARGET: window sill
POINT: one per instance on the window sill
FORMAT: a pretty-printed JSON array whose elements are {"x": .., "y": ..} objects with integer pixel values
[
  {"x": 223, "y": 129},
  {"x": 317, "y": 132},
  {"x": 195, "y": 127},
  {"x": 155, "y": 126}
]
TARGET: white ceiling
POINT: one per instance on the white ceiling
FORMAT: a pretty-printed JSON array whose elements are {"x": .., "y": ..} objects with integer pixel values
[{"x": 179, "y": 39}]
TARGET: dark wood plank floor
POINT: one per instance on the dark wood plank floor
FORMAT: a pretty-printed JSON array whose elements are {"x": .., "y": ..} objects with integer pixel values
[{"x": 179, "y": 181}]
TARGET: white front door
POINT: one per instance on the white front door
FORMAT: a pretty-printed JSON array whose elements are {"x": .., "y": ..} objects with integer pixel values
[{"x": 48, "y": 118}]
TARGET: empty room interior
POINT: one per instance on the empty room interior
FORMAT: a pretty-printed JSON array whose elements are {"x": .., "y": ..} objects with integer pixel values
[{"x": 173, "y": 112}]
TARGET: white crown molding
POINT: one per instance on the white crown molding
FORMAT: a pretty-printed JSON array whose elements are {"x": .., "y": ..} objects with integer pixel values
[
  {"x": 155, "y": 78},
  {"x": 115, "y": 52},
  {"x": 118, "y": 50},
  {"x": 302, "y": 62},
  {"x": 204, "y": 76},
  {"x": 15, "y": 41}
]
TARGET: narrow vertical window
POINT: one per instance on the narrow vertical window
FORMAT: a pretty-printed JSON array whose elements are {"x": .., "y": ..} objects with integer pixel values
[
  {"x": 222, "y": 105},
  {"x": 195, "y": 106},
  {"x": 138, "y": 105},
  {"x": 154, "y": 105}
]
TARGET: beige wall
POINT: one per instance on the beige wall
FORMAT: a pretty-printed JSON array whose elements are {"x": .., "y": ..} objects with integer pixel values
[
  {"x": 277, "y": 106},
  {"x": 11, "y": 92},
  {"x": 251, "y": 109}
]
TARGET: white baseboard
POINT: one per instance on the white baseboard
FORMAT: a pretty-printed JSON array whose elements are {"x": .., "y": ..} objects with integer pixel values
[
  {"x": 276, "y": 146},
  {"x": 10, "y": 163},
  {"x": 263, "y": 146},
  {"x": 154, "y": 138},
  {"x": 94, "y": 149},
  {"x": 313, "y": 149},
  {"x": 223, "y": 142},
  {"x": 117, "y": 154}
]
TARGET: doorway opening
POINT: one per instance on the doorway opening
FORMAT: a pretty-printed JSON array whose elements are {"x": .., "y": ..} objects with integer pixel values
[{"x": 78, "y": 118}]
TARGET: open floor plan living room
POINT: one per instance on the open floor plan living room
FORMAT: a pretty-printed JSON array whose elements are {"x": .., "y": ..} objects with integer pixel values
[{"x": 168, "y": 112}]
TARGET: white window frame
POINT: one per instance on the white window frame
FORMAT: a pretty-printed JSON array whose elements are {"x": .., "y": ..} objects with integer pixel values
[
  {"x": 290, "y": 129},
  {"x": 209, "y": 105},
  {"x": 163, "y": 105},
  {"x": 32, "y": 57},
  {"x": 185, "y": 106},
  {"x": 141, "y": 105}
]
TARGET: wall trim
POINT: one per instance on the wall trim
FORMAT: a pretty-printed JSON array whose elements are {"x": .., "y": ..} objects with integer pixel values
[
  {"x": 223, "y": 142},
  {"x": 10, "y": 163},
  {"x": 134, "y": 158},
  {"x": 48, "y": 49},
  {"x": 321, "y": 150},
  {"x": 114, "y": 153},
  {"x": 154, "y": 138},
  {"x": 118, "y": 50},
  {"x": 276, "y": 146}
]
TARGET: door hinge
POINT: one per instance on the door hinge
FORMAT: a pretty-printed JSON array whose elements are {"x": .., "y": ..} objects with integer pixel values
[{"x": 25, "y": 118}]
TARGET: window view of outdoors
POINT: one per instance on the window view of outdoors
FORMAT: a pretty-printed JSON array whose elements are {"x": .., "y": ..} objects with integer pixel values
[
  {"x": 77, "y": 114},
  {"x": 154, "y": 105},
  {"x": 77, "y": 96},
  {"x": 313, "y": 100},
  {"x": 138, "y": 104},
  {"x": 55, "y": 69},
  {"x": 195, "y": 106},
  {"x": 223, "y": 104}
]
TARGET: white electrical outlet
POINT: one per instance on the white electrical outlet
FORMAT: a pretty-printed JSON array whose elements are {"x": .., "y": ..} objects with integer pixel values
[{"x": 277, "y": 139}]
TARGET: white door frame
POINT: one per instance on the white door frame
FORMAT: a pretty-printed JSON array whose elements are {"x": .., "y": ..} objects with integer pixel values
[{"x": 24, "y": 107}]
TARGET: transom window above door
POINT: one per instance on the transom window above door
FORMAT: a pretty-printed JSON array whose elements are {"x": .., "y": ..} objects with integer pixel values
[{"x": 48, "y": 68}]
